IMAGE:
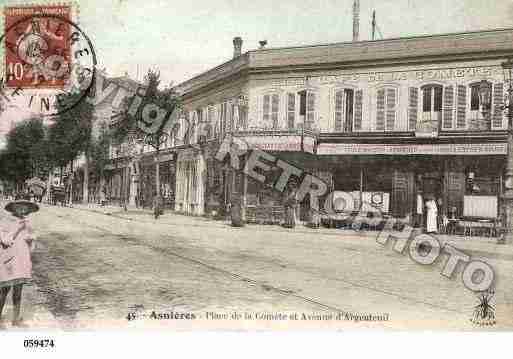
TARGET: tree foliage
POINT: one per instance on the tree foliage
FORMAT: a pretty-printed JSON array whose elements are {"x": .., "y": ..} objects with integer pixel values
[
  {"x": 26, "y": 153},
  {"x": 70, "y": 134},
  {"x": 166, "y": 99},
  {"x": 99, "y": 150}
]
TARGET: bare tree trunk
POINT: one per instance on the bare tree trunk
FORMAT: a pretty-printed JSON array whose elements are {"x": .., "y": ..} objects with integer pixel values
[
  {"x": 71, "y": 185},
  {"x": 49, "y": 185},
  {"x": 157, "y": 182},
  {"x": 86, "y": 179}
]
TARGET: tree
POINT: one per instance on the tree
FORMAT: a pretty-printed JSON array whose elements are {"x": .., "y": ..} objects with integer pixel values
[
  {"x": 128, "y": 126},
  {"x": 70, "y": 134},
  {"x": 26, "y": 153}
]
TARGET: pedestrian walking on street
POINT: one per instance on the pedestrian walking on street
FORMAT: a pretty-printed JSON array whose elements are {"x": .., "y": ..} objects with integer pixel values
[
  {"x": 290, "y": 206},
  {"x": 157, "y": 210},
  {"x": 16, "y": 244}
]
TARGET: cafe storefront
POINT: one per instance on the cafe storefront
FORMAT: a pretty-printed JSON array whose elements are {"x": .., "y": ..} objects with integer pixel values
[{"x": 464, "y": 179}]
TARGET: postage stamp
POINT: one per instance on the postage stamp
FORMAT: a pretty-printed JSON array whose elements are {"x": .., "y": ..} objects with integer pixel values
[
  {"x": 37, "y": 40},
  {"x": 49, "y": 60}
]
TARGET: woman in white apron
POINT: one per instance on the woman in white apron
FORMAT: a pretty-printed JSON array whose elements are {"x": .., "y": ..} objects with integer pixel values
[{"x": 431, "y": 215}]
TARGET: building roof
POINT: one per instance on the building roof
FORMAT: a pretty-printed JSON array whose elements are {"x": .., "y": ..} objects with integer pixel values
[
  {"x": 125, "y": 82},
  {"x": 453, "y": 46}
]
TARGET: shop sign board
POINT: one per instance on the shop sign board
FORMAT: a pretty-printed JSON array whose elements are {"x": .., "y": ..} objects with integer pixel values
[{"x": 412, "y": 149}]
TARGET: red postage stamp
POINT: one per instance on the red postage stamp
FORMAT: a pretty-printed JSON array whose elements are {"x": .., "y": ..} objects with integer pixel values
[{"x": 37, "y": 46}]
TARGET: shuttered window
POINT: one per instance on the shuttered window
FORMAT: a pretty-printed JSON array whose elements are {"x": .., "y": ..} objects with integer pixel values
[
  {"x": 391, "y": 108},
  {"x": 380, "y": 113},
  {"x": 386, "y": 109},
  {"x": 291, "y": 110},
  {"x": 413, "y": 108},
  {"x": 345, "y": 107},
  {"x": 193, "y": 132},
  {"x": 216, "y": 119},
  {"x": 349, "y": 107},
  {"x": 448, "y": 108},
  {"x": 474, "y": 98},
  {"x": 275, "y": 107},
  {"x": 498, "y": 114},
  {"x": 339, "y": 110},
  {"x": 271, "y": 106},
  {"x": 229, "y": 117},
  {"x": 437, "y": 98},
  {"x": 310, "y": 110},
  {"x": 222, "y": 119},
  {"x": 461, "y": 112},
  {"x": 266, "y": 110},
  {"x": 210, "y": 121},
  {"x": 235, "y": 118},
  {"x": 358, "y": 104}
]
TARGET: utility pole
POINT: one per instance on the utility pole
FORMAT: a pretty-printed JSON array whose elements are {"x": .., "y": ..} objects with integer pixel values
[
  {"x": 374, "y": 25},
  {"x": 356, "y": 20}
]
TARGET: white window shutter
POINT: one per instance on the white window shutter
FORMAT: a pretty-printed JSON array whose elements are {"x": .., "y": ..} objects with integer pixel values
[
  {"x": 413, "y": 108},
  {"x": 391, "y": 105},
  {"x": 236, "y": 118},
  {"x": 310, "y": 110},
  {"x": 448, "y": 108},
  {"x": 217, "y": 117},
  {"x": 498, "y": 119},
  {"x": 358, "y": 110},
  {"x": 380, "y": 110},
  {"x": 339, "y": 110},
  {"x": 266, "y": 109},
  {"x": 229, "y": 117},
  {"x": 291, "y": 110},
  {"x": 275, "y": 110},
  {"x": 461, "y": 110}
]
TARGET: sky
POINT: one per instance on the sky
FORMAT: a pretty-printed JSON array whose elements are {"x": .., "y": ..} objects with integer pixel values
[{"x": 185, "y": 38}]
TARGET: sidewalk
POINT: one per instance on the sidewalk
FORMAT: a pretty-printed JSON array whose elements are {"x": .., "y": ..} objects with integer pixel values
[{"x": 475, "y": 246}]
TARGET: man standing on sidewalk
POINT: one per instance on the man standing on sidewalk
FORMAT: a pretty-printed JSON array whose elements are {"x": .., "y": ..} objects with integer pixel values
[{"x": 157, "y": 211}]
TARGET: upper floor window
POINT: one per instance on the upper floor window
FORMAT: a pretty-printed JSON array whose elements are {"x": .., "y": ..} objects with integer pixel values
[
  {"x": 386, "y": 103},
  {"x": 344, "y": 110},
  {"x": 432, "y": 98},
  {"x": 222, "y": 119},
  {"x": 475, "y": 100},
  {"x": 307, "y": 108},
  {"x": 291, "y": 110},
  {"x": 270, "y": 110},
  {"x": 310, "y": 110}
]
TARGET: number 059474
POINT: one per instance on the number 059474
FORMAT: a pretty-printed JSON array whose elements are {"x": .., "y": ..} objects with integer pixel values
[{"x": 38, "y": 343}]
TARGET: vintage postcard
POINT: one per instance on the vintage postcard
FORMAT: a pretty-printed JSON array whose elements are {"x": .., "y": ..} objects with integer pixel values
[{"x": 221, "y": 165}]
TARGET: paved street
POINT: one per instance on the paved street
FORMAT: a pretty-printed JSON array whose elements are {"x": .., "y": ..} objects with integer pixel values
[{"x": 91, "y": 267}]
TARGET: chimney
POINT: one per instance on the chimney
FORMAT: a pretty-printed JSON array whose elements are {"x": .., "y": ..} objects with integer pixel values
[
  {"x": 356, "y": 20},
  {"x": 237, "y": 46}
]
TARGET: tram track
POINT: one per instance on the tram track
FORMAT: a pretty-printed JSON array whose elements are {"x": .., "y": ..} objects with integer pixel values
[{"x": 241, "y": 277}]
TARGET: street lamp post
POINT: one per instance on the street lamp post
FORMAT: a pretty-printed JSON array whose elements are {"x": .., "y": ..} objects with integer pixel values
[{"x": 507, "y": 197}]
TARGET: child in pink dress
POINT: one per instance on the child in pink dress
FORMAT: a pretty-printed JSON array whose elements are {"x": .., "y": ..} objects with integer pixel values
[{"x": 16, "y": 244}]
